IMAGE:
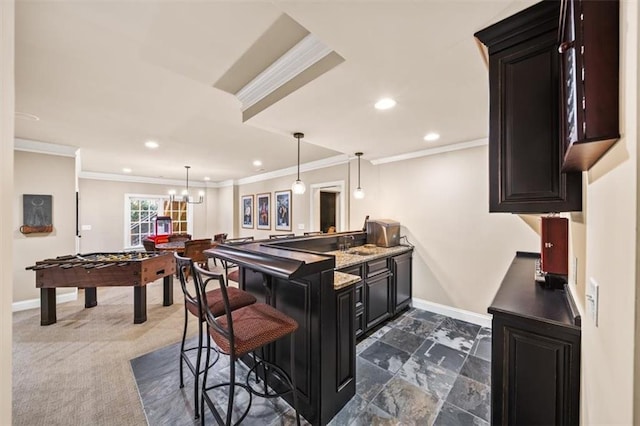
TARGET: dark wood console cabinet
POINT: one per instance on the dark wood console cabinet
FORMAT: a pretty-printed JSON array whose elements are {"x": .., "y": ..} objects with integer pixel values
[
  {"x": 385, "y": 290},
  {"x": 535, "y": 365},
  {"x": 525, "y": 147}
]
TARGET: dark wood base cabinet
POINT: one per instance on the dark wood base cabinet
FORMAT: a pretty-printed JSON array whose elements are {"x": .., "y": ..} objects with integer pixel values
[
  {"x": 385, "y": 290},
  {"x": 535, "y": 366}
]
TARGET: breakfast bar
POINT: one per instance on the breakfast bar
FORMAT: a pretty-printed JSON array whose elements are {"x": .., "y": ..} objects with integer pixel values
[{"x": 299, "y": 277}]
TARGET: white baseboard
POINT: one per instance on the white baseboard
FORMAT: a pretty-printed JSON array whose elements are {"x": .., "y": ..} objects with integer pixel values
[
  {"x": 461, "y": 314},
  {"x": 23, "y": 305}
]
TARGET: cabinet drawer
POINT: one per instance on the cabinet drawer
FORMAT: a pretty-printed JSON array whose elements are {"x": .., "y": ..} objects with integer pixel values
[
  {"x": 376, "y": 267},
  {"x": 359, "y": 298},
  {"x": 359, "y": 323},
  {"x": 353, "y": 270}
]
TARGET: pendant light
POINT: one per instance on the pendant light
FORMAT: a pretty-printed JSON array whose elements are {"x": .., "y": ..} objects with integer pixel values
[
  {"x": 298, "y": 186},
  {"x": 185, "y": 193},
  {"x": 359, "y": 192}
]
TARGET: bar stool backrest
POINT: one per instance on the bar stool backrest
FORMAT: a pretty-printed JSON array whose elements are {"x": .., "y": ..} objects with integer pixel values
[
  {"x": 179, "y": 237},
  {"x": 220, "y": 238},
  {"x": 184, "y": 265},
  {"x": 280, "y": 236},
  {"x": 238, "y": 240},
  {"x": 194, "y": 249},
  {"x": 203, "y": 278},
  {"x": 149, "y": 245}
]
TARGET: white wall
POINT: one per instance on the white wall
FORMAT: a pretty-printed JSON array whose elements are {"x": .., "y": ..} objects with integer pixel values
[
  {"x": 42, "y": 174},
  {"x": 102, "y": 207},
  {"x": 300, "y": 204},
  {"x": 7, "y": 100},
  {"x": 461, "y": 251},
  {"x": 608, "y": 366}
]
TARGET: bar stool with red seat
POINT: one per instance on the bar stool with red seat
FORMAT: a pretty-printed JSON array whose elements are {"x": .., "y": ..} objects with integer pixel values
[
  {"x": 236, "y": 298},
  {"x": 241, "y": 332}
]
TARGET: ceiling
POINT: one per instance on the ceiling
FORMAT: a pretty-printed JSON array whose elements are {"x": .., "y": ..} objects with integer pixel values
[{"x": 108, "y": 76}]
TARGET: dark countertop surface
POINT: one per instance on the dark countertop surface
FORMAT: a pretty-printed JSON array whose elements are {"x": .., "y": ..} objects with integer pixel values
[{"x": 521, "y": 296}]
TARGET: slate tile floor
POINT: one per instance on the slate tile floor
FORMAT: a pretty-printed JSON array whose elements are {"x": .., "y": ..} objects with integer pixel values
[{"x": 421, "y": 368}]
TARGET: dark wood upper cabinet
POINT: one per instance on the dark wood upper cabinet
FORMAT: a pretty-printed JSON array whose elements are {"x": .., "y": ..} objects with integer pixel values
[
  {"x": 589, "y": 49},
  {"x": 525, "y": 146}
]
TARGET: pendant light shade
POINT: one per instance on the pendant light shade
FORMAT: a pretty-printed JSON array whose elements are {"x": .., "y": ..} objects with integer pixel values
[
  {"x": 298, "y": 186},
  {"x": 185, "y": 193},
  {"x": 358, "y": 193}
]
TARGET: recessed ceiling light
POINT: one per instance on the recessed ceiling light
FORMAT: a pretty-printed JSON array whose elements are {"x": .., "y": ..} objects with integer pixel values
[
  {"x": 385, "y": 103},
  {"x": 151, "y": 144},
  {"x": 207, "y": 178},
  {"x": 126, "y": 170},
  {"x": 257, "y": 163},
  {"x": 431, "y": 136},
  {"x": 27, "y": 116}
]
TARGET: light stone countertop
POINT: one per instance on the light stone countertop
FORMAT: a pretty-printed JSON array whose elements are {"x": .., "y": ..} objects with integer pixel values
[
  {"x": 362, "y": 254},
  {"x": 342, "y": 280}
]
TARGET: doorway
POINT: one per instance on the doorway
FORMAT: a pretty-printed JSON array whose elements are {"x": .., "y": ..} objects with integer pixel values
[
  {"x": 328, "y": 210},
  {"x": 335, "y": 192}
]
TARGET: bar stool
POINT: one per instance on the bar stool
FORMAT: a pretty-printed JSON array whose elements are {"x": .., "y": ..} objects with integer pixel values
[
  {"x": 238, "y": 333},
  {"x": 234, "y": 299}
]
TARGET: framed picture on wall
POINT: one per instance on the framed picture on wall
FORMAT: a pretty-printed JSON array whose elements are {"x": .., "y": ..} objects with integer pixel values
[
  {"x": 283, "y": 210},
  {"x": 246, "y": 207},
  {"x": 263, "y": 211}
]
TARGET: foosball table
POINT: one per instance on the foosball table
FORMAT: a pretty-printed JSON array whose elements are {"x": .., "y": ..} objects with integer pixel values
[{"x": 89, "y": 271}]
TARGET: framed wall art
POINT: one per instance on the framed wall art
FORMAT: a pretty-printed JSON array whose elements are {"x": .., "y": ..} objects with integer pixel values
[
  {"x": 263, "y": 211},
  {"x": 283, "y": 210},
  {"x": 36, "y": 213},
  {"x": 246, "y": 207}
]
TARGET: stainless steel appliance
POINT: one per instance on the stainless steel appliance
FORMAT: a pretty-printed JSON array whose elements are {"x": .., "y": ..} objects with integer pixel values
[{"x": 383, "y": 232}]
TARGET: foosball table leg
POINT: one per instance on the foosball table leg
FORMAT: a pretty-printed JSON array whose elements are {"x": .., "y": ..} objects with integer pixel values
[
  {"x": 167, "y": 286},
  {"x": 90, "y": 297},
  {"x": 47, "y": 306},
  {"x": 139, "y": 304}
]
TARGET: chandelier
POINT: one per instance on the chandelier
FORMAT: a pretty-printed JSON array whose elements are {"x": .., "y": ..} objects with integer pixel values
[{"x": 186, "y": 198}]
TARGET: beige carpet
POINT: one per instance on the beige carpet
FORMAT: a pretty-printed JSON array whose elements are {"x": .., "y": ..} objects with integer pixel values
[{"x": 77, "y": 371}]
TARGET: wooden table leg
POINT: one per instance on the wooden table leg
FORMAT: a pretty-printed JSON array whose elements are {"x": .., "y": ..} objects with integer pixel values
[
  {"x": 139, "y": 304},
  {"x": 90, "y": 297},
  {"x": 47, "y": 306},
  {"x": 167, "y": 285}
]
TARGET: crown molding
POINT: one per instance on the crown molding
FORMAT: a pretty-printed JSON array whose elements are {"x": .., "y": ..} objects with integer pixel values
[
  {"x": 314, "y": 165},
  {"x": 431, "y": 151},
  {"x": 140, "y": 179},
  {"x": 303, "y": 55},
  {"x": 29, "y": 145}
]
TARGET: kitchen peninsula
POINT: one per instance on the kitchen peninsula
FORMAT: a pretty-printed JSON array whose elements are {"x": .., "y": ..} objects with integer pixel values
[{"x": 334, "y": 295}]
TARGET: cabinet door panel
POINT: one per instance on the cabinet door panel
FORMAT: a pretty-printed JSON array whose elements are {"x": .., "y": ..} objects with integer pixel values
[
  {"x": 537, "y": 378},
  {"x": 378, "y": 299},
  {"x": 345, "y": 351},
  {"x": 402, "y": 280}
]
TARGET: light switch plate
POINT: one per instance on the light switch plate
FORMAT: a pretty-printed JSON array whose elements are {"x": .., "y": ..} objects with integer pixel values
[
  {"x": 86, "y": 227},
  {"x": 591, "y": 296}
]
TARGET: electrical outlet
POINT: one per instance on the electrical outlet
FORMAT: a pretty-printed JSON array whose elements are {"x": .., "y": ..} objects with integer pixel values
[
  {"x": 591, "y": 296},
  {"x": 301, "y": 226},
  {"x": 86, "y": 227}
]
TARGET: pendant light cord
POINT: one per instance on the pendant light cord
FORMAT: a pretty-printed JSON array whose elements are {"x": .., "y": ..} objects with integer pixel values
[{"x": 298, "y": 157}]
